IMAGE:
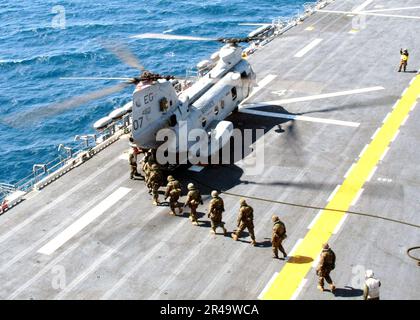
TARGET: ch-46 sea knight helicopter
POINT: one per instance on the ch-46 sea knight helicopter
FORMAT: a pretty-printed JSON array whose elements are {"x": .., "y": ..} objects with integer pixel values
[{"x": 225, "y": 81}]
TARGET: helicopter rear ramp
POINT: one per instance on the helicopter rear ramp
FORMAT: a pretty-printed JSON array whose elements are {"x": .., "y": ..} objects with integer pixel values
[{"x": 340, "y": 166}]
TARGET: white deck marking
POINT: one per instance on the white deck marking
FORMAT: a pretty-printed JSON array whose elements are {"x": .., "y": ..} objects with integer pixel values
[
  {"x": 375, "y": 134},
  {"x": 300, "y": 118},
  {"x": 384, "y": 154},
  {"x": 96, "y": 264},
  {"x": 83, "y": 221},
  {"x": 314, "y": 220},
  {"x": 396, "y": 104},
  {"x": 363, "y": 151},
  {"x": 370, "y": 14},
  {"x": 308, "y": 48},
  {"x": 340, "y": 224},
  {"x": 51, "y": 205},
  {"x": 264, "y": 82},
  {"x": 386, "y": 118},
  {"x": 395, "y": 136},
  {"x": 267, "y": 285},
  {"x": 316, "y": 97},
  {"x": 333, "y": 193},
  {"x": 372, "y": 174},
  {"x": 392, "y": 9},
  {"x": 124, "y": 156},
  {"x": 362, "y": 6},
  {"x": 65, "y": 222},
  {"x": 299, "y": 289},
  {"x": 413, "y": 107},
  {"x": 348, "y": 171},
  {"x": 294, "y": 248},
  {"x": 405, "y": 120},
  {"x": 73, "y": 247},
  {"x": 358, "y": 195}
]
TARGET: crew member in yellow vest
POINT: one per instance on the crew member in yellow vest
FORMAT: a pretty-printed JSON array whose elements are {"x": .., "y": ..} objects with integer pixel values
[{"x": 404, "y": 60}]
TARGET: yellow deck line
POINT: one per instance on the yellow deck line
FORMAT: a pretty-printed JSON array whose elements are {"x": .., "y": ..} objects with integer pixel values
[{"x": 296, "y": 269}]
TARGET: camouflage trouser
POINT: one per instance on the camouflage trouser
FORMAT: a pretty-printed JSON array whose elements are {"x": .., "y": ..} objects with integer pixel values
[
  {"x": 277, "y": 245},
  {"x": 193, "y": 212},
  {"x": 243, "y": 226},
  {"x": 133, "y": 171},
  {"x": 403, "y": 65},
  {"x": 216, "y": 223},
  {"x": 175, "y": 204},
  {"x": 155, "y": 193},
  {"x": 324, "y": 274}
]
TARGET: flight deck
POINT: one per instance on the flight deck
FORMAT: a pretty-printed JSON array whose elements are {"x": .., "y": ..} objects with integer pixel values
[{"x": 341, "y": 133}]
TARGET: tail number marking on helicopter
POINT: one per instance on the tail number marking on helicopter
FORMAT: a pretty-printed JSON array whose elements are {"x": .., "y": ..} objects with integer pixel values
[{"x": 137, "y": 124}]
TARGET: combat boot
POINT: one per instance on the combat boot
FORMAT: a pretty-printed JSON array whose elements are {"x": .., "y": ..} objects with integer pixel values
[
  {"x": 224, "y": 231},
  {"x": 180, "y": 209},
  {"x": 235, "y": 236},
  {"x": 213, "y": 231},
  {"x": 332, "y": 287},
  {"x": 320, "y": 288},
  {"x": 195, "y": 223},
  {"x": 254, "y": 243}
]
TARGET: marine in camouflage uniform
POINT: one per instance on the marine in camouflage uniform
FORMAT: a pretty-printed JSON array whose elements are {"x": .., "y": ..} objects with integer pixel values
[
  {"x": 173, "y": 191},
  {"x": 325, "y": 266},
  {"x": 245, "y": 221},
  {"x": 193, "y": 200},
  {"x": 216, "y": 209},
  {"x": 279, "y": 234},
  {"x": 146, "y": 163},
  {"x": 132, "y": 160},
  {"x": 154, "y": 181}
]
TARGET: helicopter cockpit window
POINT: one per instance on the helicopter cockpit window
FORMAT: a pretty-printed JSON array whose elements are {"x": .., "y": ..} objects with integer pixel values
[
  {"x": 244, "y": 75},
  {"x": 234, "y": 93},
  {"x": 222, "y": 104},
  {"x": 203, "y": 122},
  {"x": 164, "y": 104}
]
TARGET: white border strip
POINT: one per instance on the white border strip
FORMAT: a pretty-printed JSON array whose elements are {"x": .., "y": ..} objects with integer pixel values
[
  {"x": 299, "y": 289},
  {"x": 267, "y": 286},
  {"x": 83, "y": 221},
  {"x": 359, "y": 193},
  {"x": 308, "y": 48}
]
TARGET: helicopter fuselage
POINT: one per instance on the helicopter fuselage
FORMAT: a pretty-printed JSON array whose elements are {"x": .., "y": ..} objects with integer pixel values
[{"x": 204, "y": 105}]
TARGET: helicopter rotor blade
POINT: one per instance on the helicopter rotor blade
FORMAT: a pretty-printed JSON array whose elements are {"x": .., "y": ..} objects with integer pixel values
[
  {"x": 125, "y": 55},
  {"x": 163, "y": 36},
  {"x": 21, "y": 119},
  {"x": 96, "y": 78}
]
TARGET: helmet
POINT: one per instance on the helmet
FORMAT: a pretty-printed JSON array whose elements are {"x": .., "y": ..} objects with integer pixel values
[
  {"x": 275, "y": 218},
  {"x": 214, "y": 194},
  {"x": 325, "y": 246},
  {"x": 242, "y": 202},
  {"x": 170, "y": 178},
  {"x": 191, "y": 186}
]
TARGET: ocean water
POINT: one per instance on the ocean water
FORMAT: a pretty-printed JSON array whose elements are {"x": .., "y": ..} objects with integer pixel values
[{"x": 38, "y": 46}]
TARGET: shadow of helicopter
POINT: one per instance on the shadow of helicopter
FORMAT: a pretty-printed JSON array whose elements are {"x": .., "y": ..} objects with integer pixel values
[{"x": 225, "y": 176}]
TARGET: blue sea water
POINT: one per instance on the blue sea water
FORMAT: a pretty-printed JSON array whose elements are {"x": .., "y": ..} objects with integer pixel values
[{"x": 34, "y": 54}]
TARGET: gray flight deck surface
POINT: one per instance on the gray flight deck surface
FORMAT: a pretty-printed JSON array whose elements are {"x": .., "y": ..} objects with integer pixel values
[{"x": 135, "y": 250}]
